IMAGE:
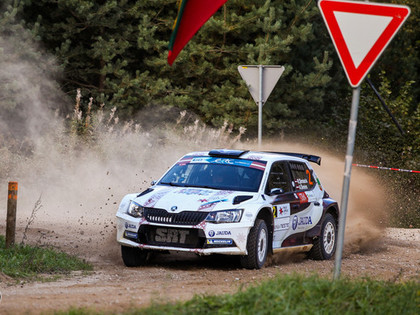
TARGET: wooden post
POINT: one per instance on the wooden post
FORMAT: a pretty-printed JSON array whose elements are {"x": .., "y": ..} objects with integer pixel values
[{"x": 11, "y": 214}]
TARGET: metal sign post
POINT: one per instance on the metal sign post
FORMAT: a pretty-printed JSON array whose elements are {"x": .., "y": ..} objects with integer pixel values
[
  {"x": 346, "y": 181},
  {"x": 260, "y": 104},
  {"x": 261, "y": 81}
]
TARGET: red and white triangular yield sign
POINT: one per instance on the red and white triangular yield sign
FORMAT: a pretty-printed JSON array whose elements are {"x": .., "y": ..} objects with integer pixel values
[{"x": 360, "y": 32}]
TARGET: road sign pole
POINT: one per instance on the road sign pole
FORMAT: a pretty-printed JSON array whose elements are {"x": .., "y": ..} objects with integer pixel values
[
  {"x": 260, "y": 81},
  {"x": 346, "y": 182},
  {"x": 260, "y": 104}
]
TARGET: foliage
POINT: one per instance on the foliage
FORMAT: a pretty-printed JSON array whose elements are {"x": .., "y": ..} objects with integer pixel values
[
  {"x": 295, "y": 294},
  {"x": 116, "y": 52},
  {"x": 102, "y": 46},
  {"x": 24, "y": 261},
  {"x": 379, "y": 140},
  {"x": 396, "y": 76},
  {"x": 401, "y": 60}
]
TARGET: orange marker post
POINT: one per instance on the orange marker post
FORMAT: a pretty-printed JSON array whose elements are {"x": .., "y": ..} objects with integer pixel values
[{"x": 11, "y": 214}]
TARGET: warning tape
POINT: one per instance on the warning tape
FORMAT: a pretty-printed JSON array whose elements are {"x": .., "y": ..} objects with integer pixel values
[{"x": 387, "y": 168}]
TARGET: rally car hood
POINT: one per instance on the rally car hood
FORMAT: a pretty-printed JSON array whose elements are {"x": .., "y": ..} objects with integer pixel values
[{"x": 177, "y": 199}]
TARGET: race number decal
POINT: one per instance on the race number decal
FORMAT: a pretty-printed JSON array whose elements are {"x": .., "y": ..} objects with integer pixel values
[{"x": 309, "y": 177}]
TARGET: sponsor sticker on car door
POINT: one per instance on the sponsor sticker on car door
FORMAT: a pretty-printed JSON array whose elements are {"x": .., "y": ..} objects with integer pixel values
[{"x": 281, "y": 214}]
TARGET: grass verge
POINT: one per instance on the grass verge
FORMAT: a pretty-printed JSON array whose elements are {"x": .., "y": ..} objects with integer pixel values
[
  {"x": 24, "y": 261},
  {"x": 297, "y": 294}
]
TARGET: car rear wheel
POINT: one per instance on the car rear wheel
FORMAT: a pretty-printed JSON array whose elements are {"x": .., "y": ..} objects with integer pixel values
[
  {"x": 257, "y": 246},
  {"x": 324, "y": 246},
  {"x": 133, "y": 256}
]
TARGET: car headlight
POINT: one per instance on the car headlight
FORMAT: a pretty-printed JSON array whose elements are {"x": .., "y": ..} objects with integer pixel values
[
  {"x": 225, "y": 216},
  {"x": 135, "y": 210}
]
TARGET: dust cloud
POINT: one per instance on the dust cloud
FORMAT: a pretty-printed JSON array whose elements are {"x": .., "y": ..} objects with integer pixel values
[
  {"x": 80, "y": 190},
  {"x": 367, "y": 207},
  {"x": 78, "y": 185}
]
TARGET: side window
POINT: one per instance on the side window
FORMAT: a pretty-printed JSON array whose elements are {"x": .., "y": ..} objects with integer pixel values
[
  {"x": 302, "y": 176},
  {"x": 279, "y": 177}
]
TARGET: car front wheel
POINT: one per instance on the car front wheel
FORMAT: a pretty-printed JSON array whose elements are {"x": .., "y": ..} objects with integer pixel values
[
  {"x": 257, "y": 246},
  {"x": 324, "y": 246},
  {"x": 133, "y": 256}
]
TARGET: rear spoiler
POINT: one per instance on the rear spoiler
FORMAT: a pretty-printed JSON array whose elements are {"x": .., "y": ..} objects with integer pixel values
[{"x": 311, "y": 158}]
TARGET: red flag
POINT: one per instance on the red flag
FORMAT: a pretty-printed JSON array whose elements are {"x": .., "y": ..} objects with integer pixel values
[{"x": 192, "y": 14}]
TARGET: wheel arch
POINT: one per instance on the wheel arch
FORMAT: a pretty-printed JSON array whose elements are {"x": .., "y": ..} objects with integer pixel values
[
  {"x": 330, "y": 207},
  {"x": 267, "y": 215},
  {"x": 333, "y": 210}
]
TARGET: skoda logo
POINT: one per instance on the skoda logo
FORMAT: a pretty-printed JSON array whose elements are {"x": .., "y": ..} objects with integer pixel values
[
  {"x": 211, "y": 233},
  {"x": 294, "y": 222},
  {"x": 174, "y": 208}
]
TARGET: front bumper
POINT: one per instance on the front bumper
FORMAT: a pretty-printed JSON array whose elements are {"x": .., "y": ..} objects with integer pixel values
[{"x": 203, "y": 238}]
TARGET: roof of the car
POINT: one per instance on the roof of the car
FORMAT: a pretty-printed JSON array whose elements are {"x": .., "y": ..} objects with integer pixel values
[{"x": 258, "y": 155}]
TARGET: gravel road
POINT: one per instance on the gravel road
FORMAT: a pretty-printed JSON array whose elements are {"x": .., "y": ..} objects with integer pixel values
[{"x": 112, "y": 287}]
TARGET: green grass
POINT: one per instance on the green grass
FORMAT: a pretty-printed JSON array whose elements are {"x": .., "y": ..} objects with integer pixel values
[
  {"x": 297, "y": 294},
  {"x": 28, "y": 262}
]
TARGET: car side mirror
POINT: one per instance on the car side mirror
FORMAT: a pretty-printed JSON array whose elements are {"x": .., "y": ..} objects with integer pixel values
[
  {"x": 276, "y": 191},
  {"x": 153, "y": 183}
]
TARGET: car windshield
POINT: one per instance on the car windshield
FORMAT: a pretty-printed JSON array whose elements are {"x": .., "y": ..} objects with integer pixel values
[{"x": 216, "y": 173}]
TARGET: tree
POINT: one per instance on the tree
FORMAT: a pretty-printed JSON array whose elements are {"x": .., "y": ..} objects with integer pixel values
[
  {"x": 379, "y": 142},
  {"x": 401, "y": 60},
  {"x": 116, "y": 51},
  {"x": 101, "y": 46},
  {"x": 204, "y": 78}
]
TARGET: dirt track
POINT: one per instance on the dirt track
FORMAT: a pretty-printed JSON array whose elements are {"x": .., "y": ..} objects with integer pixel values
[
  {"x": 113, "y": 287},
  {"x": 79, "y": 200}
]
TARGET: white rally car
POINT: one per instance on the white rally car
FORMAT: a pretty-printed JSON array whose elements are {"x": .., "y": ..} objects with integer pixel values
[{"x": 231, "y": 202}]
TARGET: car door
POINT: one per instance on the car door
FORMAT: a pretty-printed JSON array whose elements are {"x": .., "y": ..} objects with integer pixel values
[
  {"x": 306, "y": 208},
  {"x": 279, "y": 186}
]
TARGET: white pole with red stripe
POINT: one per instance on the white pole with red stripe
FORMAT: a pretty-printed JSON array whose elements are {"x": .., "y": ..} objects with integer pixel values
[{"x": 386, "y": 168}]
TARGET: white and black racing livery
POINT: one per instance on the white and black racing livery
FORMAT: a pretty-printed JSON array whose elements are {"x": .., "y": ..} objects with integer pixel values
[{"x": 231, "y": 202}]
